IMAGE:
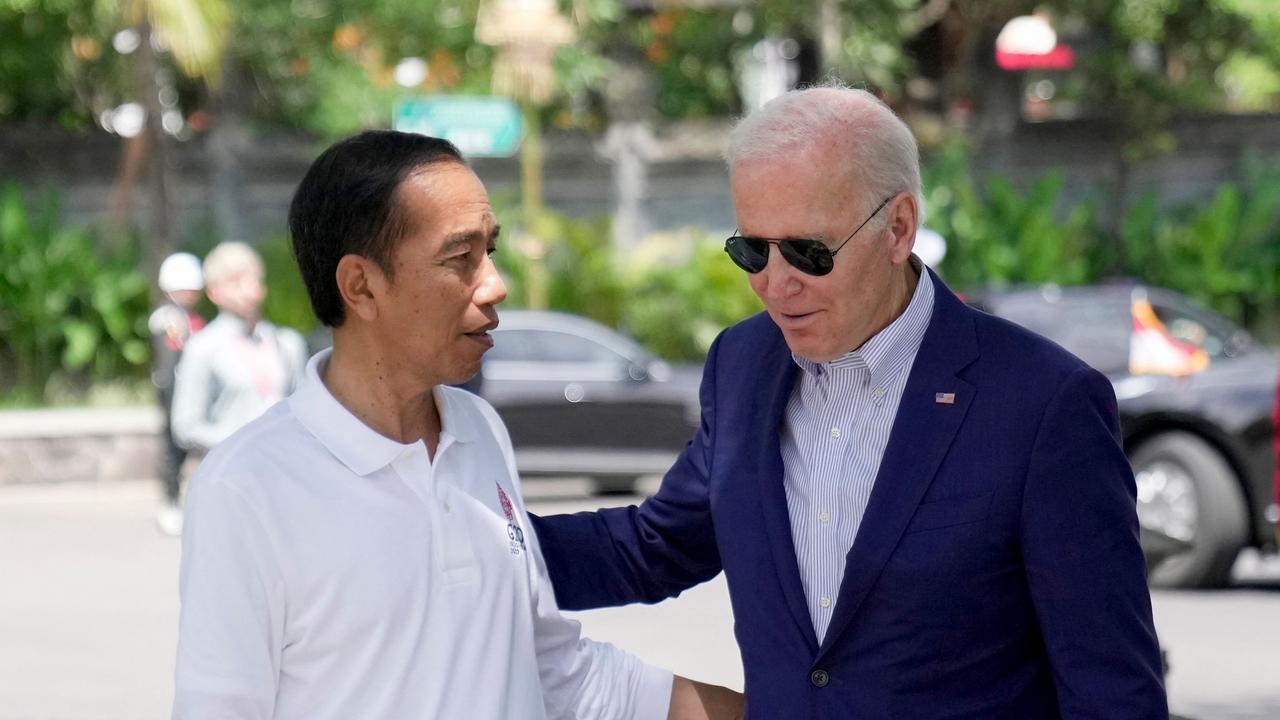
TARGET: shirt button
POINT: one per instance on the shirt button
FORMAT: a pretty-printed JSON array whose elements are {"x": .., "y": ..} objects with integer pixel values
[
  {"x": 835, "y": 432},
  {"x": 824, "y": 601},
  {"x": 824, "y": 517},
  {"x": 878, "y": 392},
  {"x": 819, "y": 678},
  {"x": 447, "y": 508}
]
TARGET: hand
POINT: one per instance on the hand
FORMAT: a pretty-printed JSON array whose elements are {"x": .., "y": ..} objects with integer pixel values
[{"x": 692, "y": 700}]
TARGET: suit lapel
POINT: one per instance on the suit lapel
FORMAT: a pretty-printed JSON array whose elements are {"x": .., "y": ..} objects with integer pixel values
[
  {"x": 922, "y": 433},
  {"x": 769, "y": 472}
]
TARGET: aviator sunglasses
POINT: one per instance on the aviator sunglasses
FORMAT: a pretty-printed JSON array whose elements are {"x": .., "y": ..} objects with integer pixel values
[{"x": 808, "y": 256}]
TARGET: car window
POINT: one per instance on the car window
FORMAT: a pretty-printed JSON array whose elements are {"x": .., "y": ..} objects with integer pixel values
[
  {"x": 1188, "y": 326},
  {"x": 1097, "y": 332},
  {"x": 517, "y": 346},
  {"x": 564, "y": 347},
  {"x": 549, "y": 346}
]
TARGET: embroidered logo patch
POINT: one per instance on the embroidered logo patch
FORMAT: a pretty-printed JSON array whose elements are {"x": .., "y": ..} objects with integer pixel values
[
  {"x": 515, "y": 534},
  {"x": 506, "y": 504}
]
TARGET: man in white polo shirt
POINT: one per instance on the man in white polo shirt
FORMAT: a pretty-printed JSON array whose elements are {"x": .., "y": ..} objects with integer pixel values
[{"x": 361, "y": 551}]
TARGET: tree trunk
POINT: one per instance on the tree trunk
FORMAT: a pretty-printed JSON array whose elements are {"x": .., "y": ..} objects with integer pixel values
[
  {"x": 226, "y": 143},
  {"x": 158, "y": 232}
]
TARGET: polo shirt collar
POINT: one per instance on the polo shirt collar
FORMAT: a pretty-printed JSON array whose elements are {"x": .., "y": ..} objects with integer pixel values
[
  {"x": 361, "y": 448},
  {"x": 886, "y": 351}
]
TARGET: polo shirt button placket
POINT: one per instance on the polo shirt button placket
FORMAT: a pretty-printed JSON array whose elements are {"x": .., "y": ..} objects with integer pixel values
[{"x": 819, "y": 678}]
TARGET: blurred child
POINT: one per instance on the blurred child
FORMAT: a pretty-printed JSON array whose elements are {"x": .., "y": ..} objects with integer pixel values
[{"x": 171, "y": 325}]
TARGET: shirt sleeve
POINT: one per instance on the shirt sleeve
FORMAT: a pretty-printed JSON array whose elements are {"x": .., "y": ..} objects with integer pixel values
[
  {"x": 192, "y": 396},
  {"x": 231, "y": 624},
  {"x": 582, "y": 678}
]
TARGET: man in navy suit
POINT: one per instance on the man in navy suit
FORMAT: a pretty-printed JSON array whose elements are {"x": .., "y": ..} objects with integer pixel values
[{"x": 922, "y": 511}]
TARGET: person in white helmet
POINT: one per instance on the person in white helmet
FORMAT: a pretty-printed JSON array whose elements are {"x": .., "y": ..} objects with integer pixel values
[{"x": 181, "y": 279}]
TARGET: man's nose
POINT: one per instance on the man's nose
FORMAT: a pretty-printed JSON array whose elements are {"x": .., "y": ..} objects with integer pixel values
[
  {"x": 492, "y": 288},
  {"x": 778, "y": 275}
]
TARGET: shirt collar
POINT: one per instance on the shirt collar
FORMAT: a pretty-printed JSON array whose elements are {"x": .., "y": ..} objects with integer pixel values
[
  {"x": 235, "y": 324},
  {"x": 886, "y": 352},
  {"x": 361, "y": 448}
]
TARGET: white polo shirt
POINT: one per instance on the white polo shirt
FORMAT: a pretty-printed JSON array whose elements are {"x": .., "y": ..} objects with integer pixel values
[{"x": 331, "y": 572}]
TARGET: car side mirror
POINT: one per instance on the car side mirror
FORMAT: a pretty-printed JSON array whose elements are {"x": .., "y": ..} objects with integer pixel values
[
  {"x": 638, "y": 372},
  {"x": 1239, "y": 343}
]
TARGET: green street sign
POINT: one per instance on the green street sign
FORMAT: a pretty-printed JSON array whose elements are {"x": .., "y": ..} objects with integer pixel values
[{"x": 481, "y": 126}]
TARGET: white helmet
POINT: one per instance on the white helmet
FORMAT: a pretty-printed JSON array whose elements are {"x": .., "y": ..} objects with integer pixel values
[
  {"x": 181, "y": 271},
  {"x": 930, "y": 246}
]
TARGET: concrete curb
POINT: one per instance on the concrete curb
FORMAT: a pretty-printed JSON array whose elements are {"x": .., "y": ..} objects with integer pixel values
[{"x": 79, "y": 444}]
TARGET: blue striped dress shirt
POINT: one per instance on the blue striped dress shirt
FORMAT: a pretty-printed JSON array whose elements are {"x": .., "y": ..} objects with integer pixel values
[{"x": 837, "y": 426}]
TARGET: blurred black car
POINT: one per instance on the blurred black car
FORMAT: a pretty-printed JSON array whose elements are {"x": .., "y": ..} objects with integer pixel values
[
  {"x": 581, "y": 399},
  {"x": 1199, "y": 436}
]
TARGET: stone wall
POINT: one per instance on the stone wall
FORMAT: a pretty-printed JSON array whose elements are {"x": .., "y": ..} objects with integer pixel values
[{"x": 79, "y": 445}]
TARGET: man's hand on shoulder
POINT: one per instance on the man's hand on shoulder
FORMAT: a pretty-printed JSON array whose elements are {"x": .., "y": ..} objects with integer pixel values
[{"x": 692, "y": 700}]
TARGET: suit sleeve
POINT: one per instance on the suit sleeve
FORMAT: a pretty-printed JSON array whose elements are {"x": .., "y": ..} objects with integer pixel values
[
  {"x": 648, "y": 553},
  {"x": 1084, "y": 566}
]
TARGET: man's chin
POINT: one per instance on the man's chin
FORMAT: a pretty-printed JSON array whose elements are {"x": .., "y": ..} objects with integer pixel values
[
  {"x": 803, "y": 346},
  {"x": 463, "y": 372}
]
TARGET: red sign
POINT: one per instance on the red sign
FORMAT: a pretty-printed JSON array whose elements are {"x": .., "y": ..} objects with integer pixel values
[{"x": 1061, "y": 57}]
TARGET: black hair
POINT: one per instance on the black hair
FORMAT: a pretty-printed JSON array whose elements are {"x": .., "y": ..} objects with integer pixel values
[{"x": 346, "y": 205}]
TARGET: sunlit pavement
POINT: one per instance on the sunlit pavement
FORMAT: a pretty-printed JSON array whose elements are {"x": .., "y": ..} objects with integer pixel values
[{"x": 88, "y": 611}]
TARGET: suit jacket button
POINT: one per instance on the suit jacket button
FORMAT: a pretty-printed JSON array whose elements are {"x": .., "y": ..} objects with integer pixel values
[{"x": 819, "y": 678}]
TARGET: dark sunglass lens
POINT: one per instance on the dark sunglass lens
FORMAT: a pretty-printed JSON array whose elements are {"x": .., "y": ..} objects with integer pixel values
[
  {"x": 750, "y": 254},
  {"x": 809, "y": 256}
]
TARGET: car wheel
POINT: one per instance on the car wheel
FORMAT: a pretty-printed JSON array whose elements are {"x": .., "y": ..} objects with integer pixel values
[
  {"x": 615, "y": 484},
  {"x": 1187, "y": 491}
]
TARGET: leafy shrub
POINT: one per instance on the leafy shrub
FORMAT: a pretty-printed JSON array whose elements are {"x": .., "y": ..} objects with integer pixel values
[
  {"x": 69, "y": 313},
  {"x": 674, "y": 293},
  {"x": 1225, "y": 253},
  {"x": 1001, "y": 236},
  {"x": 287, "y": 303}
]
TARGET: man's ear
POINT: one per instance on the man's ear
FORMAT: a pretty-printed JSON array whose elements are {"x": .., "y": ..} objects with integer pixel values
[
  {"x": 360, "y": 283},
  {"x": 904, "y": 218}
]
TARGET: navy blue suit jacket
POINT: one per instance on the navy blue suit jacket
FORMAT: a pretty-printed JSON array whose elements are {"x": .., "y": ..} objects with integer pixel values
[{"x": 996, "y": 573}]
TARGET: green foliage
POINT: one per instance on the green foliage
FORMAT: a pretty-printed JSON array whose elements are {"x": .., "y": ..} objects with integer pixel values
[
  {"x": 581, "y": 273},
  {"x": 677, "y": 310},
  {"x": 691, "y": 53},
  {"x": 1207, "y": 55},
  {"x": 328, "y": 67},
  {"x": 1003, "y": 236},
  {"x": 287, "y": 303},
  {"x": 1225, "y": 253},
  {"x": 674, "y": 294},
  {"x": 56, "y": 61},
  {"x": 68, "y": 314}
]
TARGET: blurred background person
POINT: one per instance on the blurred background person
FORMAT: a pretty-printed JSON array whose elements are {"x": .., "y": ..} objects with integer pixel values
[
  {"x": 182, "y": 280},
  {"x": 240, "y": 364}
]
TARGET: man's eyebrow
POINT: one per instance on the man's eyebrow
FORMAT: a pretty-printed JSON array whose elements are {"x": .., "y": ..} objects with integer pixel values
[{"x": 465, "y": 237}]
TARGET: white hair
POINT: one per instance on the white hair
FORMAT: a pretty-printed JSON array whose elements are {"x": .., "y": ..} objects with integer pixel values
[
  {"x": 229, "y": 260},
  {"x": 877, "y": 145}
]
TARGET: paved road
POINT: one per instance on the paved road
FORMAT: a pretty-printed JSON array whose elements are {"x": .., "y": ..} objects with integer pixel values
[{"x": 88, "y": 610}]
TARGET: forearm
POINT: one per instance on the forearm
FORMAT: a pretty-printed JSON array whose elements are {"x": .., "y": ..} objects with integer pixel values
[{"x": 692, "y": 700}]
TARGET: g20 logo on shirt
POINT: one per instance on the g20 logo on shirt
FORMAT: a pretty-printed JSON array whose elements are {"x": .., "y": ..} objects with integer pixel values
[{"x": 515, "y": 534}]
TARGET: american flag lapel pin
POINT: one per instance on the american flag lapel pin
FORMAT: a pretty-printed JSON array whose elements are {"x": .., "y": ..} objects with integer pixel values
[{"x": 945, "y": 398}]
